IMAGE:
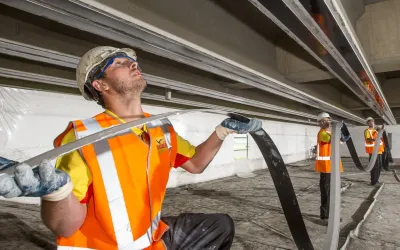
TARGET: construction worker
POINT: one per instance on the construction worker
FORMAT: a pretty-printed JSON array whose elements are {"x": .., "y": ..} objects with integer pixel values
[
  {"x": 109, "y": 194},
  {"x": 323, "y": 162},
  {"x": 370, "y": 135}
]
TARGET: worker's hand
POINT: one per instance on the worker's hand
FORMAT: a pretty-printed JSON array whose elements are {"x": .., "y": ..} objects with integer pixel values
[
  {"x": 344, "y": 138},
  {"x": 230, "y": 126},
  {"x": 45, "y": 181}
]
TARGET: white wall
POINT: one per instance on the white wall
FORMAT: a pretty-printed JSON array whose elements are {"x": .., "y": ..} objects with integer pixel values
[
  {"x": 30, "y": 120},
  {"x": 357, "y": 134}
]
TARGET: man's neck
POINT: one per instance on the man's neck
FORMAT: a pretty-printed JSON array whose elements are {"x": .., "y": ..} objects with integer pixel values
[
  {"x": 371, "y": 127},
  {"x": 128, "y": 111}
]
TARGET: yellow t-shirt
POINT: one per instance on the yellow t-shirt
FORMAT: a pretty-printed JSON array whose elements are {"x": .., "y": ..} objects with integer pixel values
[
  {"x": 81, "y": 177},
  {"x": 324, "y": 136}
]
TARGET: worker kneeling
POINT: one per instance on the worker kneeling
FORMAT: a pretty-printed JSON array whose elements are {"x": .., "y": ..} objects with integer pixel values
[
  {"x": 109, "y": 194},
  {"x": 323, "y": 162}
]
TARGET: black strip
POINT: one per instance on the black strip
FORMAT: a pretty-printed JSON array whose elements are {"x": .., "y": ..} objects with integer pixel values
[
  {"x": 284, "y": 188},
  {"x": 283, "y": 185},
  {"x": 352, "y": 149},
  {"x": 387, "y": 154}
]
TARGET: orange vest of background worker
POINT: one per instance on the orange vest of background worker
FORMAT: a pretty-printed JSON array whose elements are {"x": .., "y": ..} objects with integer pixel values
[
  {"x": 371, "y": 133},
  {"x": 118, "y": 215},
  {"x": 323, "y": 163},
  {"x": 323, "y": 159}
]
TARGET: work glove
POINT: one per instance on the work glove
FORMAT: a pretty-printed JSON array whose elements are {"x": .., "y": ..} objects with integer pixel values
[
  {"x": 44, "y": 181},
  {"x": 230, "y": 126},
  {"x": 344, "y": 138}
]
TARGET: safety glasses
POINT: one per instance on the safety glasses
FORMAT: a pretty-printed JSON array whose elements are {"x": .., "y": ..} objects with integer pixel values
[{"x": 111, "y": 61}]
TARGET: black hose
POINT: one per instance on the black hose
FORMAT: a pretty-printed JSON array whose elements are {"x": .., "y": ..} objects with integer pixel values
[
  {"x": 353, "y": 152},
  {"x": 284, "y": 188}
]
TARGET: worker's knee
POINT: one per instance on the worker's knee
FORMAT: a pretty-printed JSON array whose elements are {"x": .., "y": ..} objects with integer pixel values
[{"x": 226, "y": 225}]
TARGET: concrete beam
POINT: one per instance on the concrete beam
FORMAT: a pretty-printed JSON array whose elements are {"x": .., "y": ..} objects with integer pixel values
[
  {"x": 377, "y": 31},
  {"x": 354, "y": 9}
]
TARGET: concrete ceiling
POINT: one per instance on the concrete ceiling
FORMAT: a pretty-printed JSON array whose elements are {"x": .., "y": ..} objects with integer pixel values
[{"x": 217, "y": 53}]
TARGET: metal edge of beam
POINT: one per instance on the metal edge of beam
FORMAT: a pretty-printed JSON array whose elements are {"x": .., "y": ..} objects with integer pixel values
[
  {"x": 338, "y": 12},
  {"x": 35, "y": 53},
  {"x": 183, "y": 53},
  {"x": 303, "y": 15},
  {"x": 96, "y": 21},
  {"x": 21, "y": 75},
  {"x": 212, "y": 106},
  {"x": 271, "y": 16},
  {"x": 332, "y": 240}
]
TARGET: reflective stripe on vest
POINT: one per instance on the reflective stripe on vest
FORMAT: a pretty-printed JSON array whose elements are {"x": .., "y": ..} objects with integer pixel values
[{"x": 116, "y": 202}]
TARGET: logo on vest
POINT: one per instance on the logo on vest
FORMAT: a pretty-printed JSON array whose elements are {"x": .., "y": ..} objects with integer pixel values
[{"x": 161, "y": 144}]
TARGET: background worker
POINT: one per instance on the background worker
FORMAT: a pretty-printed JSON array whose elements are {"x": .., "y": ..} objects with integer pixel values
[
  {"x": 109, "y": 195},
  {"x": 370, "y": 135},
  {"x": 323, "y": 162}
]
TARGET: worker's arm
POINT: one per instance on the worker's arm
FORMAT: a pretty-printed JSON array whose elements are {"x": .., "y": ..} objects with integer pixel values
[
  {"x": 63, "y": 217},
  {"x": 53, "y": 186},
  {"x": 324, "y": 137},
  {"x": 66, "y": 216},
  {"x": 206, "y": 151}
]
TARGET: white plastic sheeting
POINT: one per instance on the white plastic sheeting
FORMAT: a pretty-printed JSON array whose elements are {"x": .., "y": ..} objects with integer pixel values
[{"x": 30, "y": 120}]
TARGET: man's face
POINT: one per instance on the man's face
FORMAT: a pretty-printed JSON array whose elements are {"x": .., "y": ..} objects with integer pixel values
[
  {"x": 125, "y": 77},
  {"x": 371, "y": 123},
  {"x": 324, "y": 123}
]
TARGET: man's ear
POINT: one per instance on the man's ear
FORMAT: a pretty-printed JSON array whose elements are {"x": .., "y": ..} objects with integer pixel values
[{"x": 100, "y": 85}]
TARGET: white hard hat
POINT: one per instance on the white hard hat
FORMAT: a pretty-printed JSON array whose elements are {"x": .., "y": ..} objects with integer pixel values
[
  {"x": 368, "y": 119},
  {"x": 322, "y": 116},
  {"x": 91, "y": 62}
]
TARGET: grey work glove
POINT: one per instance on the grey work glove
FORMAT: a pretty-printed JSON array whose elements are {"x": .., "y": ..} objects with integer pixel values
[
  {"x": 344, "y": 138},
  {"x": 45, "y": 181},
  {"x": 230, "y": 125}
]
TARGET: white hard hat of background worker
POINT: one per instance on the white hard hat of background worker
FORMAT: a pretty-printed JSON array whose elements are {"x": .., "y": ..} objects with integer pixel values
[
  {"x": 368, "y": 119},
  {"x": 324, "y": 120},
  {"x": 323, "y": 115},
  {"x": 92, "y": 66}
]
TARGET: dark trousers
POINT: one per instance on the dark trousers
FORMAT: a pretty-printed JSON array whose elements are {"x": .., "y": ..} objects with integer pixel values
[
  {"x": 324, "y": 187},
  {"x": 376, "y": 170},
  {"x": 199, "y": 231}
]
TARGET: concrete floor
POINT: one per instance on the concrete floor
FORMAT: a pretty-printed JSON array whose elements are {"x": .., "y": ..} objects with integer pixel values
[{"x": 254, "y": 205}]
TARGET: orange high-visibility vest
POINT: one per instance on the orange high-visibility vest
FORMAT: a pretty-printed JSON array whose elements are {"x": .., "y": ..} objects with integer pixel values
[
  {"x": 369, "y": 147},
  {"x": 323, "y": 160},
  {"x": 129, "y": 185}
]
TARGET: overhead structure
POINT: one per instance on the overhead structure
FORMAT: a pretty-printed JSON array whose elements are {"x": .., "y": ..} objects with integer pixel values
[
  {"x": 61, "y": 59},
  {"x": 331, "y": 44},
  {"x": 91, "y": 16}
]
